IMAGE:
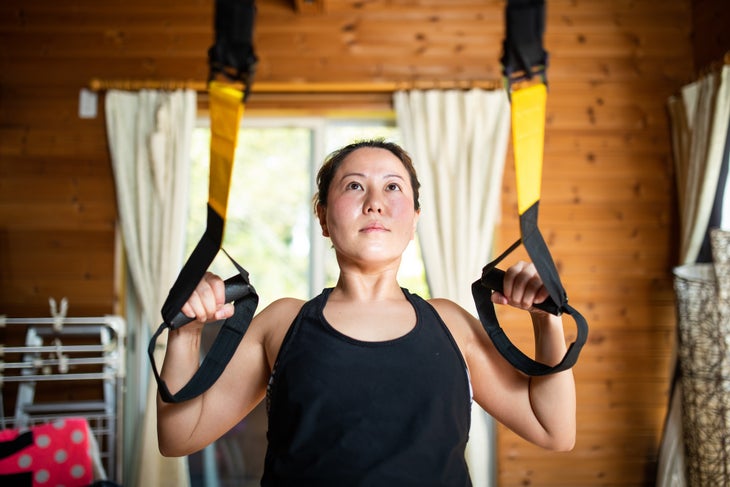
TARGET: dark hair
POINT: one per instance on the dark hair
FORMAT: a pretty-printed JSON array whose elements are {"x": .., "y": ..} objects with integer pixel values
[{"x": 333, "y": 161}]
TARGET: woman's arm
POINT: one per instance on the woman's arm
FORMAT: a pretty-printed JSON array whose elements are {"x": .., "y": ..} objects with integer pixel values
[
  {"x": 551, "y": 397},
  {"x": 540, "y": 409},
  {"x": 186, "y": 427}
]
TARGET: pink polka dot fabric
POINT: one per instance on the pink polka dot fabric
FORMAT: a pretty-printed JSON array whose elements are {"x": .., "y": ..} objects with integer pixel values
[{"x": 49, "y": 455}]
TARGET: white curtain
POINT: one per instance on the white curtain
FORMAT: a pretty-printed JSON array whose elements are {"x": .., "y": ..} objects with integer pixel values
[
  {"x": 458, "y": 141},
  {"x": 699, "y": 119},
  {"x": 149, "y": 136}
]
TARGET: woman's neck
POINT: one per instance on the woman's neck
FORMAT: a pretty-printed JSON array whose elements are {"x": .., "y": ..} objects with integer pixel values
[{"x": 355, "y": 286}]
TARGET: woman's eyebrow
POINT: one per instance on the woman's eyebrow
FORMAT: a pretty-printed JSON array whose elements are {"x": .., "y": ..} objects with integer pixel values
[
  {"x": 385, "y": 176},
  {"x": 351, "y": 174}
]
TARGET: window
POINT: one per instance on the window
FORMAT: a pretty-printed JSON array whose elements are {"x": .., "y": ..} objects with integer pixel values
[{"x": 271, "y": 231}]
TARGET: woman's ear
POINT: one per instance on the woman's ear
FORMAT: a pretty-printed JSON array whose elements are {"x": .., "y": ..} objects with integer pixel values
[
  {"x": 322, "y": 217},
  {"x": 415, "y": 223}
]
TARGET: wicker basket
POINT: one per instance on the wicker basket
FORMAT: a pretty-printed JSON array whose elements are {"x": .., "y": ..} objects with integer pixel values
[{"x": 703, "y": 309}]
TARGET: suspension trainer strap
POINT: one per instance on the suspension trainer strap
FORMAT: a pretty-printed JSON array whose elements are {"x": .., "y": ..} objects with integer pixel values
[
  {"x": 523, "y": 59},
  {"x": 226, "y": 110}
]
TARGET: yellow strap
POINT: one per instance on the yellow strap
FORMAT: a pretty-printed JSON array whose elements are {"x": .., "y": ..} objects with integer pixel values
[
  {"x": 226, "y": 110},
  {"x": 528, "y": 138}
]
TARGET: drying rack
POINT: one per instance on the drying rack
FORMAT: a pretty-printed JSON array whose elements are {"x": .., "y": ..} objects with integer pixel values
[{"x": 79, "y": 359}]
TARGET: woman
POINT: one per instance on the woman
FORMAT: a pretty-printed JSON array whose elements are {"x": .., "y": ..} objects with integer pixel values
[{"x": 368, "y": 384}]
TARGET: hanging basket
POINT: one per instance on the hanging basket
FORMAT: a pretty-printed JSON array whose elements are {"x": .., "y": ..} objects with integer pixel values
[{"x": 703, "y": 310}]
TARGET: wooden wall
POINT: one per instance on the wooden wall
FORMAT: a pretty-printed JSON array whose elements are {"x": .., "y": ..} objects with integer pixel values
[
  {"x": 607, "y": 202},
  {"x": 710, "y": 35}
]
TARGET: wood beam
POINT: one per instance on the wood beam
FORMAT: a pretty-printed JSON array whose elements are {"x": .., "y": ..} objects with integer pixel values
[{"x": 97, "y": 84}]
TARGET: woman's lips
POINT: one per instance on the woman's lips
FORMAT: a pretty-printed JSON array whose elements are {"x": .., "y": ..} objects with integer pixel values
[{"x": 374, "y": 227}]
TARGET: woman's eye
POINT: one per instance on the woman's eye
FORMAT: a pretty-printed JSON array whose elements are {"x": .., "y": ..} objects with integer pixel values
[
  {"x": 354, "y": 185},
  {"x": 393, "y": 187}
]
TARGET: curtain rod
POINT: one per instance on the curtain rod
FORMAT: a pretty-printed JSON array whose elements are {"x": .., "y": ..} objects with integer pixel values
[{"x": 97, "y": 84}]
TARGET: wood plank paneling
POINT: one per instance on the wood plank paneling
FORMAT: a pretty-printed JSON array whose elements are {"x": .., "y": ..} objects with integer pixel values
[
  {"x": 711, "y": 40},
  {"x": 607, "y": 206}
]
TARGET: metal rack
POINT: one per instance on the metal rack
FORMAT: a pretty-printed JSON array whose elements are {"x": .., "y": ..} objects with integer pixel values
[{"x": 75, "y": 358}]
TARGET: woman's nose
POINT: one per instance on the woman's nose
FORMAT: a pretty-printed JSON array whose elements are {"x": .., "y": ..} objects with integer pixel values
[{"x": 373, "y": 204}]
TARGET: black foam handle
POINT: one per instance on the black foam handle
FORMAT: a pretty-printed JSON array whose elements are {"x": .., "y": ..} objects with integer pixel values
[
  {"x": 494, "y": 279},
  {"x": 236, "y": 288}
]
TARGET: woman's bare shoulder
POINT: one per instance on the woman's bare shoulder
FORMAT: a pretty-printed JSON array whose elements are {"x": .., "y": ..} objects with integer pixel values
[
  {"x": 465, "y": 327},
  {"x": 284, "y": 306},
  {"x": 449, "y": 311},
  {"x": 277, "y": 315},
  {"x": 274, "y": 321}
]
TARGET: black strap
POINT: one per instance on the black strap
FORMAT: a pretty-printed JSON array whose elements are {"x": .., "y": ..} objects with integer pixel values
[
  {"x": 194, "y": 269},
  {"x": 509, "y": 351},
  {"x": 538, "y": 251},
  {"x": 557, "y": 304},
  {"x": 238, "y": 289}
]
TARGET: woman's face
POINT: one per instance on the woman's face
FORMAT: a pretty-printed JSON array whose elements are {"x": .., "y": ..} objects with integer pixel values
[{"x": 369, "y": 216}]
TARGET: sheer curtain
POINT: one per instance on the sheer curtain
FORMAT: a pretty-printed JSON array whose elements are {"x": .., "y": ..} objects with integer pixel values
[
  {"x": 149, "y": 136},
  {"x": 699, "y": 118},
  {"x": 458, "y": 141}
]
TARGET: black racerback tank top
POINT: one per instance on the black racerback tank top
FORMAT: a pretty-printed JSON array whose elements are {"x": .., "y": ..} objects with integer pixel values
[{"x": 344, "y": 412}]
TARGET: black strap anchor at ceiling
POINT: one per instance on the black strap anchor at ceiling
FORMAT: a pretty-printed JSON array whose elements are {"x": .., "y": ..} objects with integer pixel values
[{"x": 232, "y": 55}]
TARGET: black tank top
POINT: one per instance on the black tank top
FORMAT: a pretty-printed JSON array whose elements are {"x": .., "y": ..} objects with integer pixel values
[{"x": 344, "y": 412}]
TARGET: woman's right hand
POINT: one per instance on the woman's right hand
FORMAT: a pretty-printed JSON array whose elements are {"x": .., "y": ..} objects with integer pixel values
[{"x": 207, "y": 302}]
